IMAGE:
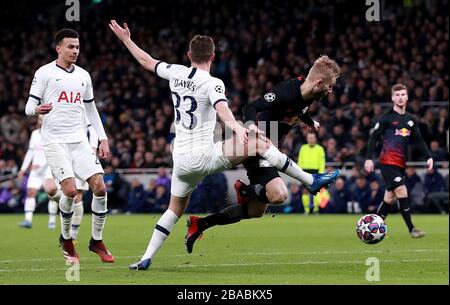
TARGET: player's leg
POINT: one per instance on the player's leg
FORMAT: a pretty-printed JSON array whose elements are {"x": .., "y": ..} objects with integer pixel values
[
  {"x": 162, "y": 230},
  {"x": 405, "y": 209},
  {"x": 259, "y": 145},
  {"x": 275, "y": 192},
  {"x": 60, "y": 162},
  {"x": 29, "y": 208},
  {"x": 87, "y": 167},
  {"x": 54, "y": 195},
  {"x": 99, "y": 207},
  {"x": 386, "y": 206},
  {"x": 78, "y": 213},
  {"x": 66, "y": 206},
  {"x": 184, "y": 182},
  {"x": 77, "y": 216},
  {"x": 392, "y": 177}
]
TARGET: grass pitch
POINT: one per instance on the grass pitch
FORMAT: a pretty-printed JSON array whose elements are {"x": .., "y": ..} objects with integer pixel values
[{"x": 285, "y": 249}]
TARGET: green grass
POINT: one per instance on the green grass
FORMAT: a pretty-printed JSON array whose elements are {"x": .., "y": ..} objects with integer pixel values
[{"x": 292, "y": 249}]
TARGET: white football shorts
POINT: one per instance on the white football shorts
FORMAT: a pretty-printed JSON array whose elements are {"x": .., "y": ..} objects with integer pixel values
[
  {"x": 80, "y": 184},
  {"x": 67, "y": 160},
  {"x": 190, "y": 168},
  {"x": 36, "y": 178}
]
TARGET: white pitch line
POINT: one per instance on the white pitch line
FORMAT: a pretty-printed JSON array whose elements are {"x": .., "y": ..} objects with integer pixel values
[
  {"x": 314, "y": 263},
  {"x": 240, "y": 254},
  {"x": 234, "y": 265}
]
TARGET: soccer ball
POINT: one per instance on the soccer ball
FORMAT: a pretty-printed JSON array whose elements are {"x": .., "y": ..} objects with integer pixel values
[{"x": 371, "y": 229}]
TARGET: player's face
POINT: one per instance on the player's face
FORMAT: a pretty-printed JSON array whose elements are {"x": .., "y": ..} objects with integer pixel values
[
  {"x": 324, "y": 87},
  {"x": 68, "y": 50},
  {"x": 400, "y": 98}
]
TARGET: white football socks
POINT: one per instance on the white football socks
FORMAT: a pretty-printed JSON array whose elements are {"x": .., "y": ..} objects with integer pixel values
[
  {"x": 30, "y": 206},
  {"x": 52, "y": 210},
  {"x": 99, "y": 210},
  {"x": 285, "y": 165},
  {"x": 66, "y": 207},
  {"x": 76, "y": 219},
  {"x": 160, "y": 233}
]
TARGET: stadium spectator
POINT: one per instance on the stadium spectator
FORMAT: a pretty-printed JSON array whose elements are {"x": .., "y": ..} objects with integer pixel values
[
  {"x": 437, "y": 153},
  {"x": 9, "y": 197},
  {"x": 294, "y": 201},
  {"x": 215, "y": 195},
  {"x": 415, "y": 188},
  {"x": 376, "y": 197},
  {"x": 137, "y": 198},
  {"x": 252, "y": 54},
  {"x": 361, "y": 195},
  {"x": 341, "y": 198},
  {"x": 436, "y": 196},
  {"x": 162, "y": 198},
  {"x": 163, "y": 179}
]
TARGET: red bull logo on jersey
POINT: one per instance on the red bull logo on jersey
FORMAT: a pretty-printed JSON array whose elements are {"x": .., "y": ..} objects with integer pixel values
[
  {"x": 403, "y": 132},
  {"x": 71, "y": 98}
]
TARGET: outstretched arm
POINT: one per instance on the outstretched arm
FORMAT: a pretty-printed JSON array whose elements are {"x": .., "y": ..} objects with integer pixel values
[
  {"x": 124, "y": 34},
  {"x": 227, "y": 117}
]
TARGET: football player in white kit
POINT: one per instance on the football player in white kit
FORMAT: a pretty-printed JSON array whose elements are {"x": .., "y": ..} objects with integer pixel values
[
  {"x": 198, "y": 98},
  {"x": 40, "y": 175},
  {"x": 37, "y": 163},
  {"x": 64, "y": 92},
  {"x": 53, "y": 189}
]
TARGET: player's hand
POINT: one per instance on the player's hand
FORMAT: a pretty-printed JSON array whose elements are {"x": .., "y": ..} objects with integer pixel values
[
  {"x": 103, "y": 149},
  {"x": 368, "y": 166},
  {"x": 255, "y": 129},
  {"x": 242, "y": 135},
  {"x": 43, "y": 109},
  {"x": 315, "y": 127},
  {"x": 430, "y": 164},
  {"x": 123, "y": 33}
]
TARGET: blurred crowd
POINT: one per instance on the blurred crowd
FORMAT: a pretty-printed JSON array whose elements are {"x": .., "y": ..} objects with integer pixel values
[{"x": 259, "y": 43}]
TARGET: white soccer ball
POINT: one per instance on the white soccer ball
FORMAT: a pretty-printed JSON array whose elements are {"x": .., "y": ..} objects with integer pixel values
[{"x": 371, "y": 229}]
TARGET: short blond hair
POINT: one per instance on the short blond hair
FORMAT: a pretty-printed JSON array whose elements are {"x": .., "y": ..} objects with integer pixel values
[
  {"x": 324, "y": 67},
  {"x": 398, "y": 87}
]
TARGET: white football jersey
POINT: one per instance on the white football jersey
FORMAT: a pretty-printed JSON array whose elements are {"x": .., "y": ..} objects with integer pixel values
[
  {"x": 67, "y": 91},
  {"x": 195, "y": 94},
  {"x": 37, "y": 149}
]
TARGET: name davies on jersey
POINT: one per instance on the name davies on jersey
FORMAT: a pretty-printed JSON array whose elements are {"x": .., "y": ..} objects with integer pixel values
[
  {"x": 185, "y": 83},
  {"x": 69, "y": 98}
]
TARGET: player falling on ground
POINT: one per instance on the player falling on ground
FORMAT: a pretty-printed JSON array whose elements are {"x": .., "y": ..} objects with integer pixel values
[
  {"x": 64, "y": 92},
  {"x": 198, "y": 98},
  {"x": 287, "y": 103},
  {"x": 396, "y": 128},
  {"x": 38, "y": 177}
]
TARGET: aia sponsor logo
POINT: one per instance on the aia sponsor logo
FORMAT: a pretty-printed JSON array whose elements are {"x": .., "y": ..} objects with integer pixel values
[
  {"x": 403, "y": 132},
  {"x": 70, "y": 98}
]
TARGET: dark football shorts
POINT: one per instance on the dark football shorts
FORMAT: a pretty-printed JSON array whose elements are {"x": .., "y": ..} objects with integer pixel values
[
  {"x": 257, "y": 174},
  {"x": 393, "y": 176}
]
